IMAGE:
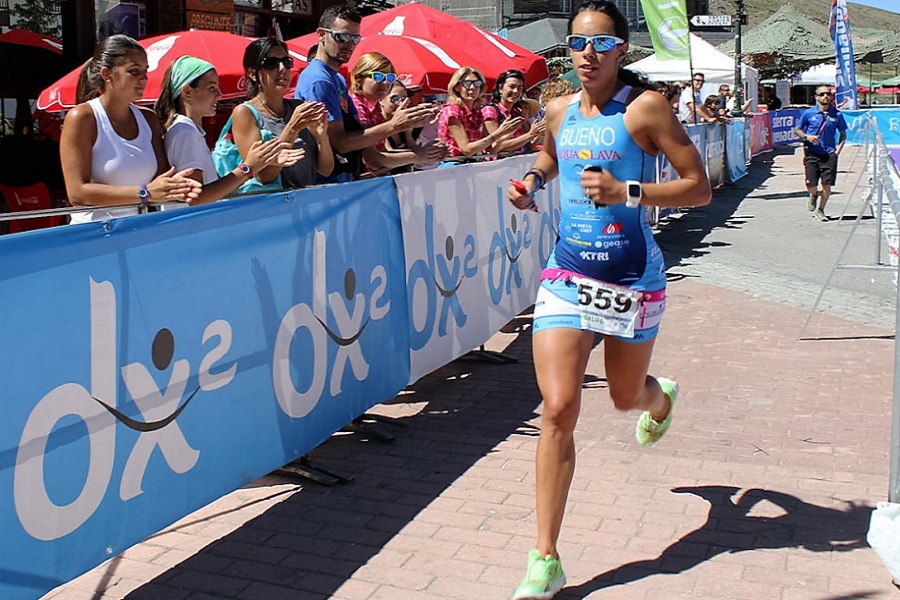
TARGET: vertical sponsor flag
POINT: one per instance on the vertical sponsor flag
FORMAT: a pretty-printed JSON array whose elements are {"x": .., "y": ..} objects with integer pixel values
[
  {"x": 839, "y": 28},
  {"x": 668, "y": 25}
]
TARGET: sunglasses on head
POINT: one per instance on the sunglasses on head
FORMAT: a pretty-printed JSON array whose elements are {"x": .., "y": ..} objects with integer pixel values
[
  {"x": 378, "y": 76},
  {"x": 601, "y": 43},
  {"x": 397, "y": 99},
  {"x": 272, "y": 62},
  {"x": 470, "y": 83},
  {"x": 342, "y": 37}
]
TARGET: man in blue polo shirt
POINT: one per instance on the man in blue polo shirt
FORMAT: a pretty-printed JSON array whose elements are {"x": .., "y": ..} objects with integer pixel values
[
  {"x": 817, "y": 128},
  {"x": 338, "y": 34}
]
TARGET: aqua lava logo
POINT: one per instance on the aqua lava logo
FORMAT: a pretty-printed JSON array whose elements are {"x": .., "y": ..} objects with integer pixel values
[
  {"x": 97, "y": 410},
  {"x": 439, "y": 277},
  {"x": 351, "y": 312}
]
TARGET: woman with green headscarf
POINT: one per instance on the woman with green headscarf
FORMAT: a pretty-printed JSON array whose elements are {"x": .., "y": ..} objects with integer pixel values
[{"x": 190, "y": 92}]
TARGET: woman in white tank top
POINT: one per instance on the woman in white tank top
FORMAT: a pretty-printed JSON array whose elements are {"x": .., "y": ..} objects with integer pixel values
[{"x": 112, "y": 151}]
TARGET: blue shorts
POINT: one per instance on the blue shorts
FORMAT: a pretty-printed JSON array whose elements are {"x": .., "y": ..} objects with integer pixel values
[{"x": 557, "y": 307}]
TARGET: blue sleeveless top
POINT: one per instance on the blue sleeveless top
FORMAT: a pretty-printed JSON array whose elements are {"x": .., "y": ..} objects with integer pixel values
[{"x": 608, "y": 243}]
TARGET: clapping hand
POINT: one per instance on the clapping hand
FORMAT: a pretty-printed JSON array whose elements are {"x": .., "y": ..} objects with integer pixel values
[
  {"x": 174, "y": 186},
  {"x": 507, "y": 128},
  {"x": 431, "y": 153},
  {"x": 413, "y": 116},
  {"x": 306, "y": 114},
  {"x": 263, "y": 154}
]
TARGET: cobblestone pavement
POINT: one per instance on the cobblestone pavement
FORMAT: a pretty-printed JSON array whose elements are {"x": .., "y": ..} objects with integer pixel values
[{"x": 763, "y": 489}]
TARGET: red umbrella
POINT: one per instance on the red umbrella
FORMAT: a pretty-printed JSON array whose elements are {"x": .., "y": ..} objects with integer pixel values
[
  {"x": 23, "y": 37},
  {"x": 435, "y": 45},
  {"x": 417, "y": 62},
  {"x": 224, "y": 50}
]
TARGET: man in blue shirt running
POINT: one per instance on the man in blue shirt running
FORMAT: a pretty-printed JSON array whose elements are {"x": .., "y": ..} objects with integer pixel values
[{"x": 817, "y": 128}]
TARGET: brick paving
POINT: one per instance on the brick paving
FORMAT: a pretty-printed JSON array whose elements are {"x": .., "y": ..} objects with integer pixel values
[{"x": 763, "y": 489}]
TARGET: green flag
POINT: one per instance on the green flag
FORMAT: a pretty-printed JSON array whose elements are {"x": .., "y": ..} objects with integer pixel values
[{"x": 668, "y": 25}]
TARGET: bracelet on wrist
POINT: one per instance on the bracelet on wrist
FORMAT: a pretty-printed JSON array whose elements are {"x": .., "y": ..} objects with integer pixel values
[{"x": 540, "y": 180}]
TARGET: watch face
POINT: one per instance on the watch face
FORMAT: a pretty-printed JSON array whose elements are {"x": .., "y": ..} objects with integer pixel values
[
  {"x": 143, "y": 192},
  {"x": 634, "y": 190},
  {"x": 245, "y": 169}
]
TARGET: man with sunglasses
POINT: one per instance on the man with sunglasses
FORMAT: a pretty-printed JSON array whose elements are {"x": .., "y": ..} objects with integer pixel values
[
  {"x": 338, "y": 32},
  {"x": 690, "y": 104},
  {"x": 817, "y": 128}
]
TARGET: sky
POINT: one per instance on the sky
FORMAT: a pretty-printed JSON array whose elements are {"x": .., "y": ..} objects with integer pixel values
[{"x": 890, "y": 5}]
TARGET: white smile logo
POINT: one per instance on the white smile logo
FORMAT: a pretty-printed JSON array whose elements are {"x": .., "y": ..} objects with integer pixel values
[{"x": 672, "y": 33}]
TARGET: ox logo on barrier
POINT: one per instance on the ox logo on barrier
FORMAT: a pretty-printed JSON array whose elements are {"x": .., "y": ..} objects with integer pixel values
[
  {"x": 440, "y": 277},
  {"x": 349, "y": 313},
  {"x": 40, "y": 515}
]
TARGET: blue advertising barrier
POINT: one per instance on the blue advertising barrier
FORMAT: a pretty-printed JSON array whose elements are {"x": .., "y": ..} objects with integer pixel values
[
  {"x": 888, "y": 120},
  {"x": 783, "y": 123},
  {"x": 736, "y": 149},
  {"x": 152, "y": 364}
]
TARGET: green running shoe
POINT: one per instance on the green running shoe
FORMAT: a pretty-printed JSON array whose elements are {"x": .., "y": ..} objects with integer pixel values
[
  {"x": 543, "y": 579},
  {"x": 649, "y": 430}
]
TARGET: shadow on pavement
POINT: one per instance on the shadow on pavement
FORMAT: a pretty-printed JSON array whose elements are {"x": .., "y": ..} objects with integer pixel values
[
  {"x": 731, "y": 527},
  {"x": 682, "y": 238},
  {"x": 310, "y": 544}
]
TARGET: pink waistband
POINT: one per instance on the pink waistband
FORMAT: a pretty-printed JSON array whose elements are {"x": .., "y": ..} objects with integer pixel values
[{"x": 557, "y": 274}]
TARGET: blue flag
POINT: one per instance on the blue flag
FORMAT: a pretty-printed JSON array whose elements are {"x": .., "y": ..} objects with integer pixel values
[{"x": 839, "y": 27}]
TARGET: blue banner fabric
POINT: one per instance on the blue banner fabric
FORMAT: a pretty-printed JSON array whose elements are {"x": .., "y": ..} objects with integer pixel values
[
  {"x": 152, "y": 364},
  {"x": 845, "y": 97},
  {"x": 783, "y": 124},
  {"x": 736, "y": 149}
]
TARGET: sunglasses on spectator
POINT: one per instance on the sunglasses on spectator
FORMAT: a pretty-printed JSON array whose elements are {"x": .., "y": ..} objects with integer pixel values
[
  {"x": 601, "y": 43},
  {"x": 342, "y": 37},
  {"x": 397, "y": 99},
  {"x": 272, "y": 62},
  {"x": 378, "y": 76},
  {"x": 698, "y": 80},
  {"x": 824, "y": 93},
  {"x": 470, "y": 83}
]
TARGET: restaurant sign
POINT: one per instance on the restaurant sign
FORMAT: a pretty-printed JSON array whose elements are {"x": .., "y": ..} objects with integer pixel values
[{"x": 210, "y": 21}]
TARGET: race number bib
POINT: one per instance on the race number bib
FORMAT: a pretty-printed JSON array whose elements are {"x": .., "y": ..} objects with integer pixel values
[{"x": 606, "y": 308}]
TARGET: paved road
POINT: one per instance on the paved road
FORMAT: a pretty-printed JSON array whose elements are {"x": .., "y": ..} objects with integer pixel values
[{"x": 762, "y": 490}]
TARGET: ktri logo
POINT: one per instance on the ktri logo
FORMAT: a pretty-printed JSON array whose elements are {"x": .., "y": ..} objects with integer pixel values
[
  {"x": 351, "y": 312},
  {"x": 440, "y": 277},
  {"x": 98, "y": 411}
]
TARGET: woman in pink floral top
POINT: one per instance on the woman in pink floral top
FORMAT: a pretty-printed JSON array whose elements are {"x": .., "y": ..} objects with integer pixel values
[
  {"x": 508, "y": 101},
  {"x": 461, "y": 125},
  {"x": 370, "y": 82}
]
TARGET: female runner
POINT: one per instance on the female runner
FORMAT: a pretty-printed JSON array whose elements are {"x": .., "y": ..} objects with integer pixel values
[{"x": 606, "y": 274}]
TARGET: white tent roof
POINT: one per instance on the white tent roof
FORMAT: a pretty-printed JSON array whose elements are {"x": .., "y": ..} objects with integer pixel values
[
  {"x": 824, "y": 74},
  {"x": 717, "y": 67}
]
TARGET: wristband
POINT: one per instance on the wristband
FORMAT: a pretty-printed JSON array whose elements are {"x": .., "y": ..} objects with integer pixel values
[{"x": 540, "y": 179}]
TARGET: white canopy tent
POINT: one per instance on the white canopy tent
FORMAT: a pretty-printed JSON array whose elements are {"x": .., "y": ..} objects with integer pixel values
[{"x": 717, "y": 68}]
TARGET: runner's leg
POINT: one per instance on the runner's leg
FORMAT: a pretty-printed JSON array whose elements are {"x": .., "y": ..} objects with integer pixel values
[
  {"x": 560, "y": 359},
  {"x": 630, "y": 387}
]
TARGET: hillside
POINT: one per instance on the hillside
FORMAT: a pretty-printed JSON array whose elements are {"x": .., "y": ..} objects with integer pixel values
[
  {"x": 866, "y": 22},
  {"x": 860, "y": 16}
]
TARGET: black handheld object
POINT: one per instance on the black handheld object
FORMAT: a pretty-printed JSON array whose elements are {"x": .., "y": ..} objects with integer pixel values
[{"x": 595, "y": 169}]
